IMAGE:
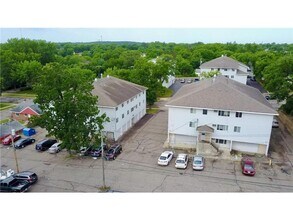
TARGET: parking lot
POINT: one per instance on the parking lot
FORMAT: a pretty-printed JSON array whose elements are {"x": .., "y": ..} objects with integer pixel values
[{"x": 136, "y": 169}]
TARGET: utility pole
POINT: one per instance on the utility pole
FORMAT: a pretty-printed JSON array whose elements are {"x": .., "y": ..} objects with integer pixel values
[
  {"x": 103, "y": 167},
  {"x": 15, "y": 157}
]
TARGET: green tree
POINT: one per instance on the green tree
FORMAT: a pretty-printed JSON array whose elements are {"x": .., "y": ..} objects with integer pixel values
[
  {"x": 1, "y": 85},
  {"x": 70, "y": 111},
  {"x": 210, "y": 74},
  {"x": 278, "y": 77}
]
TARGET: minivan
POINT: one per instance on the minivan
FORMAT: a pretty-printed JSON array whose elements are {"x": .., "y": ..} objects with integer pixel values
[{"x": 45, "y": 144}]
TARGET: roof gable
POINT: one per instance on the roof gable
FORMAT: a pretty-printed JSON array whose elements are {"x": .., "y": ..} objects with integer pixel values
[
  {"x": 113, "y": 91},
  {"x": 223, "y": 94},
  {"x": 223, "y": 62},
  {"x": 27, "y": 104}
]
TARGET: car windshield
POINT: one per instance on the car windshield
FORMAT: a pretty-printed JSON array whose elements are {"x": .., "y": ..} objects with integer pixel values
[
  {"x": 163, "y": 158},
  {"x": 111, "y": 151},
  {"x": 197, "y": 162},
  {"x": 179, "y": 161},
  {"x": 248, "y": 167}
]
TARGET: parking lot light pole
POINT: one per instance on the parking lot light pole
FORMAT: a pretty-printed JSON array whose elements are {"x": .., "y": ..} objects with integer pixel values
[
  {"x": 14, "y": 150},
  {"x": 103, "y": 167}
]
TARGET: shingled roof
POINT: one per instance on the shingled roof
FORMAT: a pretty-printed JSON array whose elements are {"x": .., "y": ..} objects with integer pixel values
[
  {"x": 222, "y": 93},
  {"x": 222, "y": 62},
  {"x": 5, "y": 129},
  {"x": 113, "y": 91},
  {"x": 28, "y": 103}
]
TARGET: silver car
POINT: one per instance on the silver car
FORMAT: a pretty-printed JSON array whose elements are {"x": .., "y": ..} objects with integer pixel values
[
  {"x": 55, "y": 148},
  {"x": 198, "y": 163}
]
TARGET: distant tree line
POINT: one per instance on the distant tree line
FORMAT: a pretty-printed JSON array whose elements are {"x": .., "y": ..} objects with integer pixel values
[{"x": 147, "y": 64}]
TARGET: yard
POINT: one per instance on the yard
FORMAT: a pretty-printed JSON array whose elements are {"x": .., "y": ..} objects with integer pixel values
[{"x": 20, "y": 94}]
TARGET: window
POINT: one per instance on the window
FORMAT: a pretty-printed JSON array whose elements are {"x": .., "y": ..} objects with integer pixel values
[
  {"x": 218, "y": 69},
  {"x": 221, "y": 141},
  {"x": 224, "y": 113},
  {"x": 238, "y": 114},
  {"x": 233, "y": 69},
  {"x": 192, "y": 110},
  {"x": 192, "y": 124},
  {"x": 25, "y": 115},
  {"x": 117, "y": 119},
  {"x": 122, "y": 115},
  {"x": 116, "y": 108},
  {"x": 136, "y": 106},
  {"x": 131, "y": 99},
  {"x": 204, "y": 111},
  {"x": 132, "y": 109},
  {"x": 225, "y": 69},
  {"x": 222, "y": 127},
  {"x": 17, "y": 114},
  {"x": 127, "y": 112},
  {"x": 127, "y": 101},
  {"x": 122, "y": 105},
  {"x": 236, "y": 129},
  {"x": 232, "y": 77},
  {"x": 139, "y": 103},
  {"x": 214, "y": 125},
  {"x": 212, "y": 69}
]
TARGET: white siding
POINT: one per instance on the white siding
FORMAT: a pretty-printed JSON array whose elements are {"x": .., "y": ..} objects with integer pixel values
[
  {"x": 254, "y": 128},
  {"x": 171, "y": 80},
  {"x": 231, "y": 74},
  {"x": 136, "y": 103}
]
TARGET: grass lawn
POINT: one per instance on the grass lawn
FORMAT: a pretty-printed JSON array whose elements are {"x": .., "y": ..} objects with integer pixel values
[
  {"x": 166, "y": 93},
  {"x": 152, "y": 111},
  {"x": 5, "y": 105},
  {"x": 4, "y": 121},
  {"x": 20, "y": 94}
]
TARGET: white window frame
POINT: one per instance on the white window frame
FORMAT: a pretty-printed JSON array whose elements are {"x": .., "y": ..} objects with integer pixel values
[
  {"x": 224, "y": 113},
  {"x": 222, "y": 127},
  {"x": 237, "y": 129},
  {"x": 192, "y": 124},
  {"x": 193, "y": 110}
]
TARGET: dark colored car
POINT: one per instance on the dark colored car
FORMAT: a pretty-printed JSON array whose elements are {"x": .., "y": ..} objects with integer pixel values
[
  {"x": 8, "y": 140},
  {"x": 21, "y": 143},
  {"x": 97, "y": 152},
  {"x": 45, "y": 144},
  {"x": 113, "y": 152},
  {"x": 247, "y": 166},
  {"x": 11, "y": 184},
  {"x": 29, "y": 176}
]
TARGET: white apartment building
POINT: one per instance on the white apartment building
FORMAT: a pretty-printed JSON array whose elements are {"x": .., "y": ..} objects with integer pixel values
[
  {"x": 228, "y": 67},
  {"x": 223, "y": 112},
  {"x": 122, "y": 101}
]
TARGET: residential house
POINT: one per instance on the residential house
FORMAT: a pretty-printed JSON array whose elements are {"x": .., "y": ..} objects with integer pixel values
[
  {"x": 25, "y": 110},
  {"x": 6, "y": 129},
  {"x": 228, "y": 67},
  {"x": 223, "y": 112},
  {"x": 122, "y": 101},
  {"x": 171, "y": 78}
]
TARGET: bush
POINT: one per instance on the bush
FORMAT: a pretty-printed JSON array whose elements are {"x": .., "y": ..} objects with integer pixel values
[{"x": 288, "y": 107}]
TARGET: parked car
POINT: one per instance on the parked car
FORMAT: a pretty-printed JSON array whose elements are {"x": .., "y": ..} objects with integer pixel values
[
  {"x": 165, "y": 158},
  {"x": 275, "y": 123},
  {"x": 198, "y": 162},
  {"x": 181, "y": 161},
  {"x": 21, "y": 143},
  {"x": 113, "y": 152},
  {"x": 182, "y": 80},
  {"x": 5, "y": 174},
  {"x": 97, "y": 152},
  {"x": 196, "y": 79},
  {"x": 29, "y": 176},
  {"x": 11, "y": 184},
  {"x": 45, "y": 144},
  {"x": 247, "y": 166},
  {"x": 189, "y": 81},
  {"x": 55, "y": 148},
  {"x": 8, "y": 140}
]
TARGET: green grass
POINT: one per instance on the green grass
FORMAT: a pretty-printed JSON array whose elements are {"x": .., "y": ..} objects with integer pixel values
[
  {"x": 6, "y": 105},
  {"x": 152, "y": 111},
  {"x": 20, "y": 94},
  {"x": 3, "y": 121}
]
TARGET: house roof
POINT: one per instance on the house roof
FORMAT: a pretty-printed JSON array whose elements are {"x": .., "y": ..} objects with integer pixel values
[
  {"x": 27, "y": 104},
  {"x": 5, "y": 129},
  {"x": 222, "y": 62},
  {"x": 113, "y": 91},
  {"x": 222, "y": 93}
]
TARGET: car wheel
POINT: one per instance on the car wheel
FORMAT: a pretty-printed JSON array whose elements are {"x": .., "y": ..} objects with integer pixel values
[
  {"x": 33, "y": 141},
  {"x": 22, "y": 146},
  {"x": 114, "y": 158}
]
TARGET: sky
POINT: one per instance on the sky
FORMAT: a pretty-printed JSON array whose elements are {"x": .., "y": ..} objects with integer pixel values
[{"x": 176, "y": 35}]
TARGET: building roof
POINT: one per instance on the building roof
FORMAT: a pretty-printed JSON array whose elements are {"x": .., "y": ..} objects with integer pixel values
[
  {"x": 222, "y": 93},
  {"x": 222, "y": 62},
  {"x": 5, "y": 129},
  {"x": 113, "y": 91},
  {"x": 28, "y": 103}
]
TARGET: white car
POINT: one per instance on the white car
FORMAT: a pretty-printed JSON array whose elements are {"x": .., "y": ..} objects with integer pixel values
[
  {"x": 55, "y": 148},
  {"x": 198, "y": 163},
  {"x": 275, "y": 123},
  {"x": 165, "y": 158},
  {"x": 6, "y": 174},
  {"x": 181, "y": 161}
]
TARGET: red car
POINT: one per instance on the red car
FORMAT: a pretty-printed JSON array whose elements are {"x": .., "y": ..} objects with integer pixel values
[
  {"x": 247, "y": 166},
  {"x": 8, "y": 140}
]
